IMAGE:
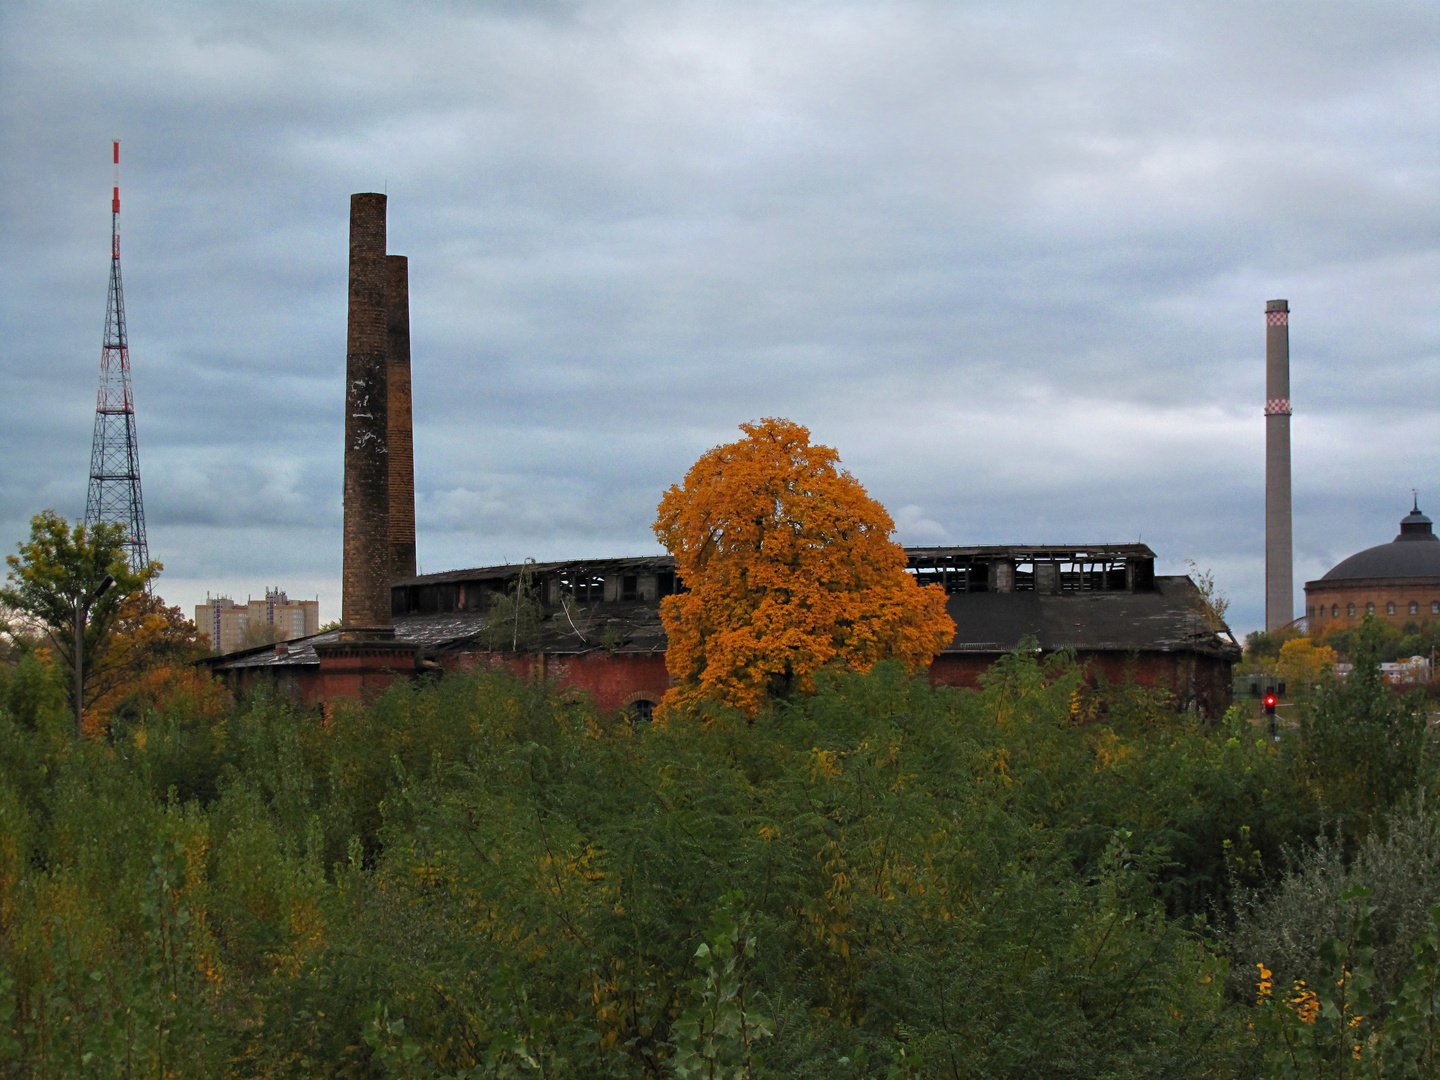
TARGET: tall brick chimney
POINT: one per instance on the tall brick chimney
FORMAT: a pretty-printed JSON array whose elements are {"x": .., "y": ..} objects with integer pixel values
[
  {"x": 402, "y": 437},
  {"x": 366, "y": 657},
  {"x": 365, "y": 592},
  {"x": 1279, "y": 549}
]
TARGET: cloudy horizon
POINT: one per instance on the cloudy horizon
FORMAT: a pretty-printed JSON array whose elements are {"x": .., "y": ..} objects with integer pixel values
[{"x": 1011, "y": 260}]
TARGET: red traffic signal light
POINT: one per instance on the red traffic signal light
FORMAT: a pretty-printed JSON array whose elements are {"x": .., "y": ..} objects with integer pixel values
[{"x": 1270, "y": 703}]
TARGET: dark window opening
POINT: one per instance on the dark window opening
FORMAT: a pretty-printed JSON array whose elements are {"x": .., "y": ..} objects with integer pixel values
[
  {"x": 630, "y": 587},
  {"x": 1144, "y": 571},
  {"x": 953, "y": 579},
  {"x": 669, "y": 583},
  {"x": 586, "y": 588},
  {"x": 1092, "y": 577},
  {"x": 641, "y": 711},
  {"x": 1074, "y": 573}
]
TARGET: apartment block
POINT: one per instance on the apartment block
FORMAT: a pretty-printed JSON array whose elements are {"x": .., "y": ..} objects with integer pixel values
[{"x": 234, "y": 626}]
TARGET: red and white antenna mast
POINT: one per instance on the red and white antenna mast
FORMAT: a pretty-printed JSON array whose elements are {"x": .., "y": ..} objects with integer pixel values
[{"x": 114, "y": 493}]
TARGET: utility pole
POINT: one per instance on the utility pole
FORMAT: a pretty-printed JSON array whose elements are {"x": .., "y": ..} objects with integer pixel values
[{"x": 114, "y": 493}]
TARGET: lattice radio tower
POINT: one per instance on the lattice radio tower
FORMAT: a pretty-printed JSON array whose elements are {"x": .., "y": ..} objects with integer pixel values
[{"x": 114, "y": 454}]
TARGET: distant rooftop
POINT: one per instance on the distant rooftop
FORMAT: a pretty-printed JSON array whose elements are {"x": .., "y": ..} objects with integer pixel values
[{"x": 1414, "y": 553}]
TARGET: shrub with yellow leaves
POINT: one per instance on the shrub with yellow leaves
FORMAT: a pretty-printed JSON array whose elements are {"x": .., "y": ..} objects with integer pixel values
[{"x": 1302, "y": 663}]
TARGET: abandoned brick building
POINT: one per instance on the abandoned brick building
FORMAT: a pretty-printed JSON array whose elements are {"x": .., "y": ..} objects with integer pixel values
[{"x": 594, "y": 626}]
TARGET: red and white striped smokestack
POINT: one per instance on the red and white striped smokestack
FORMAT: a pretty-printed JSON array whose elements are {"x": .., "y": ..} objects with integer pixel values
[{"x": 1279, "y": 548}]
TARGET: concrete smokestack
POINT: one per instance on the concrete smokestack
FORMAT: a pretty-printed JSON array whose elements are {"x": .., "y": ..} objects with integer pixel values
[
  {"x": 402, "y": 436},
  {"x": 365, "y": 603},
  {"x": 1279, "y": 548}
]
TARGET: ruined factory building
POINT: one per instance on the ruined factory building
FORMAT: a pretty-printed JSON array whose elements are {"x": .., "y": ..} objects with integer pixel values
[{"x": 595, "y": 625}]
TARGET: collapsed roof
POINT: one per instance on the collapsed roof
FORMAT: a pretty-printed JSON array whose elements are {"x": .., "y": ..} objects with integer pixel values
[{"x": 1091, "y": 599}]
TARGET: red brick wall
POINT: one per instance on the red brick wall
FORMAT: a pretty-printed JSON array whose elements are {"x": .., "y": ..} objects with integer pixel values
[
  {"x": 360, "y": 669},
  {"x": 958, "y": 670},
  {"x": 1201, "y": 680},
  {"x": 1319, "y": 598},
  {"x": 613, "y": 680}
]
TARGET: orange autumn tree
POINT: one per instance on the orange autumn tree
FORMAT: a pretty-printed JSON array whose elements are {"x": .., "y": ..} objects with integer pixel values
[
  {"x": 147, "y": 664},
  {"x": 790, "y": 569}
]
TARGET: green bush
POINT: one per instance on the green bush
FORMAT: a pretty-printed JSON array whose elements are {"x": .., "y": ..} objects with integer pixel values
[
  {"x": 1286, "y": 926},
  {"x": 479, "y": 877}
]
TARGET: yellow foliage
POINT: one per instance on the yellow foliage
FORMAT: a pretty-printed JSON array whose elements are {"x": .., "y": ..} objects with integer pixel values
[
  {"x": 1109, "y": 749},
  {"x": 146, "y": 663},
  {"x": 1302, "y": 662},
  {"x": 826, "y": 764},
  {"x": 1265, "y": 985},
  {"x": 1305, "y": 1003},
  {"x": 790, "y": 569}
]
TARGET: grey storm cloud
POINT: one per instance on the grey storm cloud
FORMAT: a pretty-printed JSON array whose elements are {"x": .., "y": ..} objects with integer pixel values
[{"x": 1010, "y": 259}]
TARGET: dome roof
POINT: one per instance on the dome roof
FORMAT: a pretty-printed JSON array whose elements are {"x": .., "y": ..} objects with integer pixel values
[{"x": 1415, "y": 553}]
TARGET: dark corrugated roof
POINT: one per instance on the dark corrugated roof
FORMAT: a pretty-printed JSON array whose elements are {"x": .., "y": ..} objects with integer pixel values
[
  {"x": 637, "y": 563},
  {"x": 1168, "y": 619},
  {"x": 300, "y": 651},
  {"x": 622, "y": 628},
  {"x": 629, "y": 627}
]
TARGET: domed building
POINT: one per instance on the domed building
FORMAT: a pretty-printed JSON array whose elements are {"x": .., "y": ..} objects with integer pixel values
[{"x": 1398, "y": 582}]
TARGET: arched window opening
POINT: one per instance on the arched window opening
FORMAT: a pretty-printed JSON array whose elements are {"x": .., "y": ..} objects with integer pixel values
[{"x": 640, "y": 710}]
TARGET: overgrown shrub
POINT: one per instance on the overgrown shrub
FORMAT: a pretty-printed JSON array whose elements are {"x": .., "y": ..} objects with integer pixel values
[
  {"x": 480, "y": 877},
  {"x": 1286, "y": 927}
]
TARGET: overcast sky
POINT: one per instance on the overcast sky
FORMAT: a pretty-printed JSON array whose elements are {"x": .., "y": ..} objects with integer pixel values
[{"x": 1010, "y": 259}]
